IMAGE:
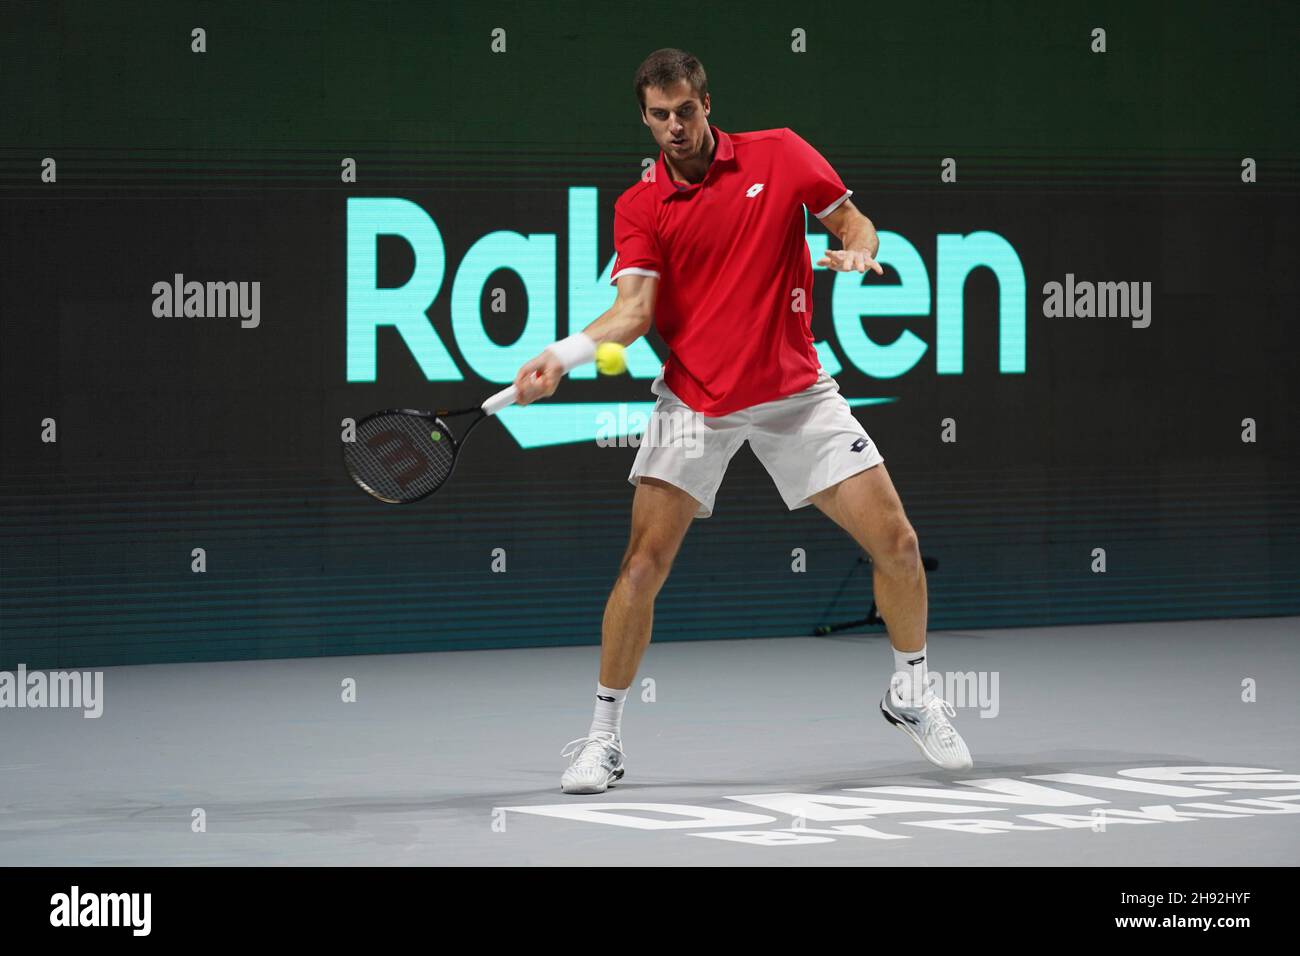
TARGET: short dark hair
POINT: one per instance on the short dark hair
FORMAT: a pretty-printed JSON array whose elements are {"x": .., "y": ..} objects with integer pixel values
[{"x": 663, "y": 68}]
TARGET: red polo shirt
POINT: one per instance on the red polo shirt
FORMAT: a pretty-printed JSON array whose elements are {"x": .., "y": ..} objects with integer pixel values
[{"x": 730, "y": 253}]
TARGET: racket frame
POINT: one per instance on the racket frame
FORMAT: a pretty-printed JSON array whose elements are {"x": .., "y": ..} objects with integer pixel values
[
  {"x": 437, "y": 418},
  {"x": 494, "y": 404}
]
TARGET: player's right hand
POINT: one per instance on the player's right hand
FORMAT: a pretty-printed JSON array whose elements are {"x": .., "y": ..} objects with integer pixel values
[{"x": 538, "y": 378}]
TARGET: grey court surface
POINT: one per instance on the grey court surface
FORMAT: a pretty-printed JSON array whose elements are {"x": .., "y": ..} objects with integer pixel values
[{"x": 453, "y": 758}]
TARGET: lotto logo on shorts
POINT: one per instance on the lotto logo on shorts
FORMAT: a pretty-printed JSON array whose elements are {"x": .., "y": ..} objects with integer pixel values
[{"x": 858, "y": 445}]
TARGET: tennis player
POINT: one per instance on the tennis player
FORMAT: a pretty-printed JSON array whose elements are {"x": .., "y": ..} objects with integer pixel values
[{"x": 711, "y": 249}]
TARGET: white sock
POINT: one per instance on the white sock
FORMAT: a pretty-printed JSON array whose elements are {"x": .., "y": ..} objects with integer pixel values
[
  {"x": 909, "y": 681},
  {"x": 609, "y": 710}
]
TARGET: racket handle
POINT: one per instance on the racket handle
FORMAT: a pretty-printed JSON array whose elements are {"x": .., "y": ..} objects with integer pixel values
[{"x": 500, "y": 400}]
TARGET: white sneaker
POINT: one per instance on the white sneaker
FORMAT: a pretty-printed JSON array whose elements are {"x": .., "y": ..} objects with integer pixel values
[
  {"x": 927, "y": 724},
  {"x": 597, "y": 763}
]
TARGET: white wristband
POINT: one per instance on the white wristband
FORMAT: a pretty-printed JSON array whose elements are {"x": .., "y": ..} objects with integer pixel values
[{"x": 576, "y": 350}]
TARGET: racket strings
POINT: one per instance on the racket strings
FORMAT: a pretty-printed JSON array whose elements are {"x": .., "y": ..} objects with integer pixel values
[{"x": 400, "y": 457}]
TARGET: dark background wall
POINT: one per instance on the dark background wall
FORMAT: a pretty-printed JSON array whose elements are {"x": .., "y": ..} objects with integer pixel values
[{"x": 183, "y": 433}]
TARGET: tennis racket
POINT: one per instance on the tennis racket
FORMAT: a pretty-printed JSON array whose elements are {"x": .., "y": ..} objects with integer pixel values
[{"x": 401, "y": 455}]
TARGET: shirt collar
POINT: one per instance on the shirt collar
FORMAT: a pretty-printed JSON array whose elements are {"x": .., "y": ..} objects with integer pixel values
[{"x": 724, "y": 153}]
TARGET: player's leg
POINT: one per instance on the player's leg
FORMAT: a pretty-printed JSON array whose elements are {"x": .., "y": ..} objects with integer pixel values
[
  {"x": 661, "y": 515},
  {"x": 818, "y": 453},
  {"x": 677, "y": 471},
  {"x": 867, "y": 506}
]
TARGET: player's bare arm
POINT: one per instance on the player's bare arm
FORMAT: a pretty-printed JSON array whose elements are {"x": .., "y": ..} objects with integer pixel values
[
  {"x": 629, "y": 318},
  {"x": 858, "y": 238}
]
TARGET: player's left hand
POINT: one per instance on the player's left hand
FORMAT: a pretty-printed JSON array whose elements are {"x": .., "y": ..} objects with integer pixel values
[{"x": 850, "y": 260}]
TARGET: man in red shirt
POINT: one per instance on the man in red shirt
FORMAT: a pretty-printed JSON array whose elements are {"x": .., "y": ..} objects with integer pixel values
[{"x": 711, "y": 249}]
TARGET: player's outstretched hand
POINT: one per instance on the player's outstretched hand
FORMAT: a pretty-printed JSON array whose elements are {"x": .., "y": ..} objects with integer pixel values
[
  {"x": 538, "y": 378},
  {"x": 850, "y": 260}
]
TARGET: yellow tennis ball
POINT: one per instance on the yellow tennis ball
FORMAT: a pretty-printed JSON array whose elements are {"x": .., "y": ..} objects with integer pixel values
[{"x": 610, "y": 359}]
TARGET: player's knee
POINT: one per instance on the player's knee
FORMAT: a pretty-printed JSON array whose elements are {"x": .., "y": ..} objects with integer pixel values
[
  {"x": 645, "y": 569},
  {"x": 901, "y": 552}
]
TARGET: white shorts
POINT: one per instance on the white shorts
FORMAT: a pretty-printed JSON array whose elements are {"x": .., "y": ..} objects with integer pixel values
[{"x": 808, "y": 442}]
